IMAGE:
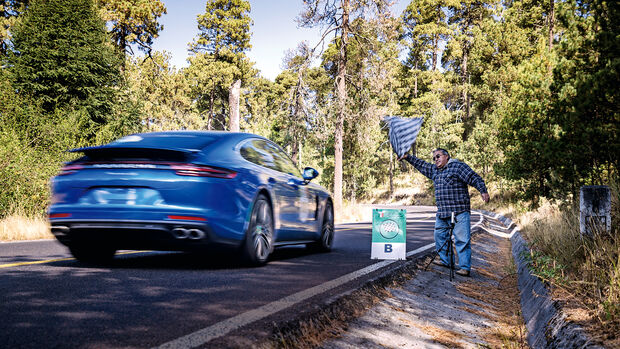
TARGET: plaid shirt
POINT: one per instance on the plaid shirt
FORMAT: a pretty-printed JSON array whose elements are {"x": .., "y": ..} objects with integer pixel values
[{"x": 451, "y": 192}]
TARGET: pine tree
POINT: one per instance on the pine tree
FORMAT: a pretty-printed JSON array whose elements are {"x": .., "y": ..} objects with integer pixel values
[
  {"x": 336, "y": 16},
  {"x": 427, "y": 22},
  {"x": 466, "y": 20},
  {"x": 586, "y": 85},
  {"x": 528, "y": 133},
  {"x": 164, "y": 92},
  {"x": 295, "y": 93},
  {"x": 62, "y": 58},
  {"x": 219, "y": 60},
  {"x": 426, "y": 31},
  {"x": 133, "y": 22}
]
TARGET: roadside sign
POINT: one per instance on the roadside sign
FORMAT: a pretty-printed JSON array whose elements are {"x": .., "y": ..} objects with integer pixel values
[{"x": 389, "y": 228}]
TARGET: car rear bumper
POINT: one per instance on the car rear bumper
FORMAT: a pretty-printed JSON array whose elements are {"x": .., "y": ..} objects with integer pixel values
[{"x": 132, "y": 234}]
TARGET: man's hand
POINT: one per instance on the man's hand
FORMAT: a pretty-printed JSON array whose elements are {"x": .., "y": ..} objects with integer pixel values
[
  {"x": 402, "y": 157},
  {"x": 485, "y": 197}
]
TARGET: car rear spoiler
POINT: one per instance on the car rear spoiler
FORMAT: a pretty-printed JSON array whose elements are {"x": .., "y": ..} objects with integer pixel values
[{"x": 108, "y": 147}]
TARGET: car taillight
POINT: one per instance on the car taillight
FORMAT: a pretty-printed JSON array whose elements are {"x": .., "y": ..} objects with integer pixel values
[
  {"x": 60, "y": 215},
  {"x": 202, "y": 171},
  {"x": 187, "y": 218},
  {"x": 69, "y": 169}
]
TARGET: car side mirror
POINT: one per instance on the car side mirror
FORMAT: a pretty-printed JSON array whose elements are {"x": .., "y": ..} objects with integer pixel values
[{"x": 310, "y": 174}]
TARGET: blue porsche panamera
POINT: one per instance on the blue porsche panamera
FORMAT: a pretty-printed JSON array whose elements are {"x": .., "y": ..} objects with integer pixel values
[{"x": 188, "y": 191}]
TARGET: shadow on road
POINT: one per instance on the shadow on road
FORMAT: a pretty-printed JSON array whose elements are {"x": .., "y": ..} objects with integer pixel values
[{"x": 210, "y": 260}]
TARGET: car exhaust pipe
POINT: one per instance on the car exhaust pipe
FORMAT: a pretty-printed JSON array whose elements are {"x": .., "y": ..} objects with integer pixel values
[
  {"x": 180, "y": 233},
  {"x": 196, "y": 234},
  {"x": 60, "y": 230}
]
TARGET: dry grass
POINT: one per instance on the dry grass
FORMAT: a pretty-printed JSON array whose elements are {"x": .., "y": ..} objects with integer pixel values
[
  {"x": 408, "y": 189},
  {"x": 352, "y": 213},
  {"x": 450, "y": 339},
  {"x": 503, "y": 202},
  {"x": 314, "y": 328},
  {"x": 499, "y": 301},
  {"x": 584, "y": 272},
  {"x": 19, "y": 227}
]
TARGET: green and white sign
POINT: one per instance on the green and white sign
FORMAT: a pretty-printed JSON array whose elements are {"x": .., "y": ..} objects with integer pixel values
[{"x": 389, "y": 227}]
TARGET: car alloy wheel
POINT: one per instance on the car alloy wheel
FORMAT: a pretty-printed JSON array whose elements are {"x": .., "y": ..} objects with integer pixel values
[
  {"x": 259, "y": 240},
  {"x": 324, "y": 244},
  {"x": 327, "y": 231}
]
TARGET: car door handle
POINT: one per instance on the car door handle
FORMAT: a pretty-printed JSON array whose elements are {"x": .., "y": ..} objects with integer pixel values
[{"x": 293, "y": 183}]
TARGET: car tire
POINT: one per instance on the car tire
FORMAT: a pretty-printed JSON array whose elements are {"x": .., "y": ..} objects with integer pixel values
[
  {"x": 325, "y": 242},
  {"x": 92, "y": 252},
  {"x": 258, "y": 243}
]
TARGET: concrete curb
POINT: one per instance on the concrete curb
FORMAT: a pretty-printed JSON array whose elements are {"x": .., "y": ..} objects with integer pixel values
[{"x": 547, "y": 326}]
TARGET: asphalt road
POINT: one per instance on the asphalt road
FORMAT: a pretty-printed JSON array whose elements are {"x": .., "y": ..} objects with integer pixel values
[{"x": 146, "y": 299}]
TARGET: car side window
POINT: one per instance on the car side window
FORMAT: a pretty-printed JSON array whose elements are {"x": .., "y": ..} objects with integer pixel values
[
  {"x": 256, "y": 152},
  {"x": 283, "y": 162},
  {"x": 268, "y": 155}
]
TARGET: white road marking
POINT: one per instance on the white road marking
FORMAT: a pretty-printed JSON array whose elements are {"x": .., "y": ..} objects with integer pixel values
[
  {"x": 206, "y": 334},
  {"x": 495, "y": 232},
  {"x": 222, "y": 328},
  {"x": 23, "y": 241}
]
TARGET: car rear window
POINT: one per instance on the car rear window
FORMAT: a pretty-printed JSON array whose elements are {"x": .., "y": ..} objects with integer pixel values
[{"x": 134, "y": 154}]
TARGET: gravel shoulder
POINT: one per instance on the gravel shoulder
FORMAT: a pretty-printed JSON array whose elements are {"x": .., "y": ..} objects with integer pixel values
[{"x": 430, "y": 311}]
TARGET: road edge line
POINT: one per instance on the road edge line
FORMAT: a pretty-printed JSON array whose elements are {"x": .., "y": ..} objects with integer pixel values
[{"x": 222, "y": 328}]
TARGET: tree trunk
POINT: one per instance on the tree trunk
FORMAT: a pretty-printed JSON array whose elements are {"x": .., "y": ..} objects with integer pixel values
[
  {"x": 297, "y": 120},
  {"x": 391, "y": 174},
  {"x": 436, "y": 42},
  {"x": 123, "y": 47},
  {"x": 464, "y": 79},
  {"x": 435, "y": 49},
  {"x": 211, "y": 104},
  {"x": 551, "y": 23},
  {"x": 295, "y": 152},
  {"x": 415, "y": 85},
  {"x": 233, "y": 105},
  {"x": 341, "y": 92},
  {"x": 301, "y": 150}
]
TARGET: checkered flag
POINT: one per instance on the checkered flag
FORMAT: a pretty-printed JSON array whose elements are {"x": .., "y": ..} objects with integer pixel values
[{"x": 403, "y": 132}]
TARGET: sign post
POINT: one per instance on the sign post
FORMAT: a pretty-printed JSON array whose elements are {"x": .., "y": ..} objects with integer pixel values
[
  {"x": 389, "y": 228},
  {"x": 594, "y": 209}
]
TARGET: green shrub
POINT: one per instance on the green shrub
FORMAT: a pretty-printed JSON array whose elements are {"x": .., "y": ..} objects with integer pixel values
[{"x": 24, "y": 174}]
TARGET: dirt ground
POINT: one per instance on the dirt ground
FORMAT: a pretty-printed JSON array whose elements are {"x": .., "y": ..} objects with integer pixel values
[
  {"x": 430, "y": 311},
  {"x": 577, "y": 312},
  {"x": 420, "y": 307}
]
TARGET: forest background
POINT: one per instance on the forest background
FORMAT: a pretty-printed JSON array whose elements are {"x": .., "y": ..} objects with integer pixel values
[{"x": 524, "y": 91}]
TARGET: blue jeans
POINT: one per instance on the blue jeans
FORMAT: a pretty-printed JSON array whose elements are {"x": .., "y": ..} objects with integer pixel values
[{"x": 462, "y": 237}]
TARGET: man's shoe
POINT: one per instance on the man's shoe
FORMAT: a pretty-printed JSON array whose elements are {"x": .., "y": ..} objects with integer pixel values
[
  {"x": 440, "y": 263},
  {"x": 462, "y": 272}
]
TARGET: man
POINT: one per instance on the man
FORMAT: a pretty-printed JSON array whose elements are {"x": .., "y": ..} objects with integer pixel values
[{"x": 451, "y": 178}]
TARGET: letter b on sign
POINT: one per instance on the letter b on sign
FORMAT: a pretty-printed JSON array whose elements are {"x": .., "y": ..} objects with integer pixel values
[{"x": 388, "y": 234}]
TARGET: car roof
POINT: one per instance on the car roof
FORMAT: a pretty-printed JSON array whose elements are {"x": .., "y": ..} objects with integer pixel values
[{"x": 186, "y": 141}]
